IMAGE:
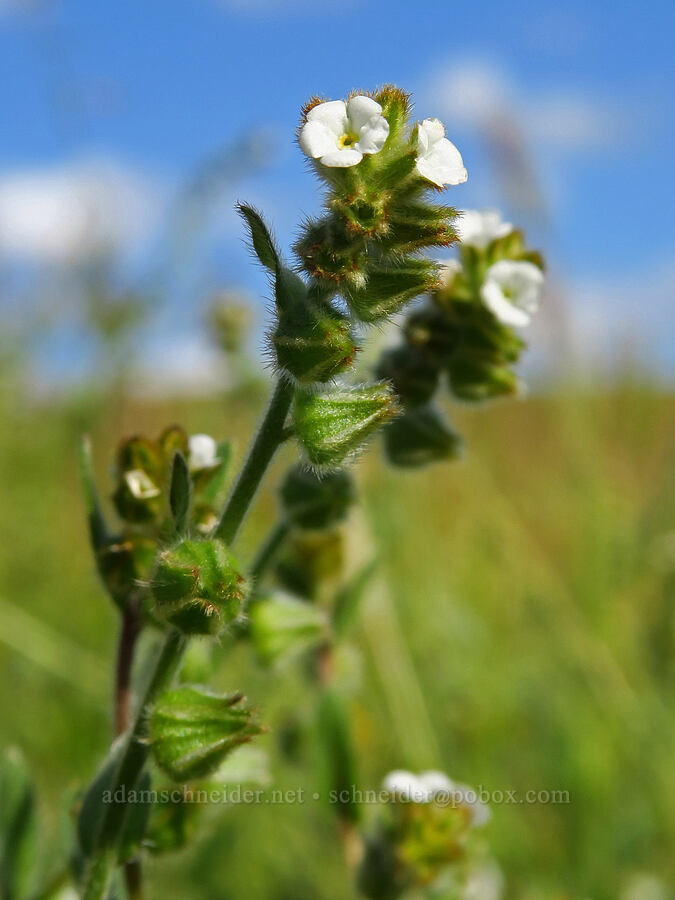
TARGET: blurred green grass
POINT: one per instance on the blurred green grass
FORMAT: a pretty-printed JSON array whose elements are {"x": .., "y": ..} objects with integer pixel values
[{"x": 522, "y": 637}]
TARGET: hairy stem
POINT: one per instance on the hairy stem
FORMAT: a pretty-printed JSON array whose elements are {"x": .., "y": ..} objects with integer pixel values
[
  {"x": 263, "y": 448},
  {"x": 129, "y": 632},
  {"x": 135, "y": 754}
]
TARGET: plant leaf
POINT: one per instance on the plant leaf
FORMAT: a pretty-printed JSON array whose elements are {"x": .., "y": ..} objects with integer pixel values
[
  {"x": 180, "y": 492},
  {"x": 261, "y": 239}
]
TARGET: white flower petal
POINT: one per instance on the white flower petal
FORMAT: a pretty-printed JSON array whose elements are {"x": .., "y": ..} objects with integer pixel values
[
  {"x": 438, "y": 160},
  {"x": 316, "y": 139},
  {"x": 202, "y": 451},
  {"x": 512, "y": 291},
  {"x": 478, "y": 228},
  {"x": 435, "y": 782},
  {"x": 433, "y": 130},
  {"x": 141, "y": 485},
  {"x": 342, "y": 158},
  {"x": 373, "y": 135},
  {"x": 333, "y": 114},
  {"x": 406, "y": 786},
  {"x": 361, "y": 109}
]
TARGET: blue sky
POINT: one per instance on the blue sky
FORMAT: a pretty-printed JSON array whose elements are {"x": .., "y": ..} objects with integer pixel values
[{"x": 159, "y": 85}]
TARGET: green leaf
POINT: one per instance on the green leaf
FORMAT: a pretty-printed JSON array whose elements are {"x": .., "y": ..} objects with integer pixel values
[
  {"x": 180, "y": 492},
  {"x": 92, "y": 809},
  {"x": 348, "y": 598},
  {"x": 338, "y": 752},
  {"x": 17, "y": 826},
  {"x": 136, "y": 819},
  {"x": 261, "y": 240},
  {"x": 98, "y": 530}
]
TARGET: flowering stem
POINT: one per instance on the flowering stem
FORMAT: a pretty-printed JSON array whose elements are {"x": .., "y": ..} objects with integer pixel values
[
  {"x": 126, "y": 646},
  {"x": 131, "y": 765},
  {"x": 135, "y": 754},
  {"x": 265, "y": 444}
]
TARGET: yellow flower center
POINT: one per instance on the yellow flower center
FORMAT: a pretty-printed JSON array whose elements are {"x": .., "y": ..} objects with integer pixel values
[{"x": 347, "y": 140}]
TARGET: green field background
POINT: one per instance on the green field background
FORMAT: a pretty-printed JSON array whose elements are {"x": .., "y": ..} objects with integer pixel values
[{"x": 520, "y": 638}]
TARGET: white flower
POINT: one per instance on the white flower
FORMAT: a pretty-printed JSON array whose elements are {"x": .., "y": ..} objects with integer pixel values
[
  {"x": 512, "y": 291},
  {"x": 141, "y": 485},
  {"x": 478, "y": 228},
  {"x": 468, "y": 798},
  {"x": 405, "y": 785},
  {"x": 435, "y": 782},
  {"x": 448, "y": 269},
  {"x": 339, "y": 133},
  {"x": 438, "y": 159},
  {"x": 202, "y": 451}
]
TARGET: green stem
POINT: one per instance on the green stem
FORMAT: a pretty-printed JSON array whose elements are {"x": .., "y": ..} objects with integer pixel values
[
  {"x": 131, "y": 765},
  {"x": 265, "y": 444},
  {"x": 134, "y": 757}
]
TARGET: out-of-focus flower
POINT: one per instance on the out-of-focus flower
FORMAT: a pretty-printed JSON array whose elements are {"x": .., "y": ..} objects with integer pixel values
[
  {"x": 512, "y": 291},
  {"x": 434, "y": 786},
  {"x": 478, "y": 228},
  {"x": 438, "y": 160},
  {"x": 141, "y": 485},
  {"x": 202, "y": 451},
  {"x": 339, "y": 134}
]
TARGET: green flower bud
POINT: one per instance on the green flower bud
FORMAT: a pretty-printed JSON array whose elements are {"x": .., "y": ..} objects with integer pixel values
[
  {"x": 140, "y": 468},
  {"x": 312, "y": 341},
  {"x": 197, "y": 586},
  {"x": 172, "y": 439},
  {"x": 283, "y": 627},
  {"x": 334, "y": 425},
  {"x": 475, "y": 378},
  {"x": 313, "y": 501},
  {"x": 386, "y": 287},
  {"x": 310, "y": 560},
  {"x": 419, "y": 437},
  {"x": 414, "y": 377},
  {"x": 125, "y": 563},
  {"x": 192, "y": 730},
  {"x": 433, "y": 333}
]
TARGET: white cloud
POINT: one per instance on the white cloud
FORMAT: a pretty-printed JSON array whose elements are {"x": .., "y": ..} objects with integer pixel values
[
  {"x": 480, "y": 94},
  {"x": 186, "y": 364},
  {"x": 64, "y": 214}
]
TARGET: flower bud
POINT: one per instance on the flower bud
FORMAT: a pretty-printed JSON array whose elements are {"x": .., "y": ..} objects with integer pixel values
[
  {"x": 124, "y": 563},
  {"x": 192, "y": 730},
  {"x": 414, "y": 377},
  {"x": 312, "y": 501},
  {"x": 419, "y": 437},
  {"x": 475, "y": 378},
  {"x": 334, "y": 425},
  {"x": 138, "y": 496},
  {"x": 283, "y": 627},
  {"x": 312, "y": 341},
  {"x": 388, "y": 286},
  {"x": 197, "y": 586},
  {"x": 310, "y": 560},
  {"x": 433, "y": 333}
]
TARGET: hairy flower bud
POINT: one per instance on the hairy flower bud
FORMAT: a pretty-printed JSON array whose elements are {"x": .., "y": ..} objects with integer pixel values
[
  {"x": 419, "y": 437},
  {"x": 474, "y": 378},
  {"x": 311, "y": 501},
  {"x": 334, "y": 425},
  {"x": 413, "y": 375},
  {"x": 197, "y": 586},
  {"x": 192, "y": 730},
  {"x": 282, "y": 627},
  {"x": 312, "y": 341}
]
